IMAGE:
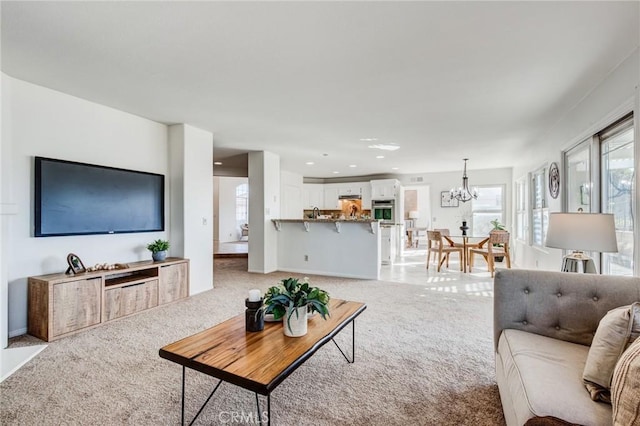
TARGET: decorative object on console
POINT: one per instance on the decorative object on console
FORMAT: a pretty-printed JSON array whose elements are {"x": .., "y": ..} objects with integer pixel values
[
  {"x": 463, "y": 193},
  {"x": 554, "y": 180},
  {"x": 290, "y": 301},
  {"x": 75, "y": 264},
  {"x": 107, "y": 267},
  {"x": 254, "y": 315},
  {"x": 158, "y": 250},
  {"x": 581, "y": 232}
]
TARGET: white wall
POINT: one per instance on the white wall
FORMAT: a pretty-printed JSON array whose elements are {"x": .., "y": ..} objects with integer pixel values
[
  {"x": 614, "y": 97},
  {"x": 191, "y": 169},
  {"x": 451, "y": 217},
  {"x": 423, "y": 194},
  {"x": 4, "y": 225},
  {"x": 228, "y": 229},
  {"x": 216, "y": 207},
  {"x": 43, "y": 122},
  {"x": 264, "y": 205}
]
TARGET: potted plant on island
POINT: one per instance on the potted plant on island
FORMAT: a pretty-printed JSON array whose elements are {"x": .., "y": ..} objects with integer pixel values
[
  {"x": 158, "y": 249},
  {"x": 291, "y": 299}
]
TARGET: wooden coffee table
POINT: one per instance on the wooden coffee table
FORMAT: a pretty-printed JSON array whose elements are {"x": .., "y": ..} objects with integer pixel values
[{"x": 258, "y": 361}]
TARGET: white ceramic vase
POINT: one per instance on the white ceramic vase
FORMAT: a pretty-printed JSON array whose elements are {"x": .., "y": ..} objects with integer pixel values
[{"x": 295, "y": 322}]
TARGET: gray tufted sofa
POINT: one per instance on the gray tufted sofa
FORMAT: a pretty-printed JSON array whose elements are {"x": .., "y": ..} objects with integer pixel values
[{"x": 544, "y": 323}]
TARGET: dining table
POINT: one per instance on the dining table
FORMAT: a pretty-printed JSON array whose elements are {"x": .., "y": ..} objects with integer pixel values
[
  {"x": 411, "y": 231},
  {"x": 466, "y": 242}
]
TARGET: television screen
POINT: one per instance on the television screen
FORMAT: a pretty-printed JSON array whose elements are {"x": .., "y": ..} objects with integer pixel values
[{"x": 79, "y": 199}]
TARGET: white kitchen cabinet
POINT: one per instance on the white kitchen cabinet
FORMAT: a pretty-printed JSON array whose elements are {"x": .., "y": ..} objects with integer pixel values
[
  {"x": 385, "y": 189},
  {"x": 387, "y": 244},
  {"x": 331, "y": 196},
  {"x": 312, "y": 195},
  {"x": 327, "y": 196},
  {"x": 365, "y": 193},
  {"x": 350, "y": 189}
]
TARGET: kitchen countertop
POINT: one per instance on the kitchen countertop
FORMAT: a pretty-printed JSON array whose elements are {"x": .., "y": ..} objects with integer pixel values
[{"x": 327, "y": 220}]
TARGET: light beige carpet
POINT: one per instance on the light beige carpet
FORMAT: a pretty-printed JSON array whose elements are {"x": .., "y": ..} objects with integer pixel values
[{"x": 422, "y": 358}]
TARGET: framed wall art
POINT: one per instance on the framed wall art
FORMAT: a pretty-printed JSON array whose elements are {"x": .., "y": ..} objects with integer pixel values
[{"x": 447, "y": 201}]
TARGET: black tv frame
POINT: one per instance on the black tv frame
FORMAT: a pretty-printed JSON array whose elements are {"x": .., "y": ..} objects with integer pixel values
[{"x": 38, "y": 199}]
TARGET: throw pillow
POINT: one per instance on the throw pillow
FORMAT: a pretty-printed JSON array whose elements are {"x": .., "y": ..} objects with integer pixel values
[
  {"x": 615, "y": 332},
  {"x": 625, "y": 387}
]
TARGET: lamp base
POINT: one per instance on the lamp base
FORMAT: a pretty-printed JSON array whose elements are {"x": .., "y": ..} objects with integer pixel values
[{"x": 578, "y": 262}]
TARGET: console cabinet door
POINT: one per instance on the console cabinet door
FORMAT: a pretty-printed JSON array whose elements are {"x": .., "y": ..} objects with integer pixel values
[
  {"x": 129, "y": 299},
  {"x": 76, "y": 305},
  {"x": 173, "y": 283}
]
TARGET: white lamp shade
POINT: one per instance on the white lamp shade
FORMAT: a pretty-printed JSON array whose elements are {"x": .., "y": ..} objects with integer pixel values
[
  {"x": 582, "y": 232},
  {"x": 413, "y": 214}
]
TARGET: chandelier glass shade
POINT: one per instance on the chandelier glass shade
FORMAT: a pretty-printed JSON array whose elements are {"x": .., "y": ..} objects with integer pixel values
[{"x": 463, "y": 193}]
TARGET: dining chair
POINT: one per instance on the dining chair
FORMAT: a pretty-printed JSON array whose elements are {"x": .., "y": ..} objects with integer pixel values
[
  {"x": 496, "y": 246},
  {"x": 444, "y": 250},
  {"x": 430, "y": 243}
]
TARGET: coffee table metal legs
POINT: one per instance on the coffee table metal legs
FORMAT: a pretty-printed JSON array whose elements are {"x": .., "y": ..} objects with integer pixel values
[
  {"x": 268, "y": 410},
  {"x": 350, "y": 361},
  {"x": 203, "y": 405},
  {"x": 353, "y": 344}
]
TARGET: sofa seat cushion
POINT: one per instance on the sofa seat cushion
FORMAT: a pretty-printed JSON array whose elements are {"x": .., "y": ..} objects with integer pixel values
[{"x": 543, "y": 377}]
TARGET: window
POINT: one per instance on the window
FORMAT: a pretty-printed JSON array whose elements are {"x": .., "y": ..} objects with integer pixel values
[
  {"x": 578, "y": 184},
  {"x": 539, "y": 210},
  {"x": 487, "y": 207},
  {"x": 617, "y": 189},
  {"x": 242, "y": 204},
  {"x": 600, "y": 178},
  {"x": 521, "y": 212}
]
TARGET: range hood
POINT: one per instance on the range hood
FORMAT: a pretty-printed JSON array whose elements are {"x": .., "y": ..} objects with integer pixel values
[{"x": 350, "y": 197}]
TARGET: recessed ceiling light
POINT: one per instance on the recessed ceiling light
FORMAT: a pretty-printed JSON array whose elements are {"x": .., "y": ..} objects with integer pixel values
[
  {"x": 385, "y": 146},
  {"x": 368, "y": 139},
  {"x": 394, "y": 168},
  {"x": 379, "y": 156},
  {"x": 217, "y": 163},
  {"x": 309, "y": 163},
  {"x": 336, "y": 172},
  {"x": 352, "y": 165}
]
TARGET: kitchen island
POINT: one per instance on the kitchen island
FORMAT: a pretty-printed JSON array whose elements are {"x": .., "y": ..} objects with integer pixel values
[{"x": 335, "y": 247}]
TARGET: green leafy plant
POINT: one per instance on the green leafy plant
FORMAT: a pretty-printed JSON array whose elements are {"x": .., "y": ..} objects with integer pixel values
[
  {"x": 497, "y": 226},
  {"x": 294, "y": 293},
  {"x": 158, "y": 245}
]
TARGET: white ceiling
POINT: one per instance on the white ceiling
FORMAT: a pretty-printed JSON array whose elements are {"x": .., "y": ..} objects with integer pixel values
[{"x": 444, "y": 80}]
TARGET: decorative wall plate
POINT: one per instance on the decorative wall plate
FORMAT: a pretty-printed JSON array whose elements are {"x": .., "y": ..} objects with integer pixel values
[{"x": 554, "y": 180}]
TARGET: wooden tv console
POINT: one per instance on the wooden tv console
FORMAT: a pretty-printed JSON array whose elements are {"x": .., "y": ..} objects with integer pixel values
[{"x": 61, "y": 304}]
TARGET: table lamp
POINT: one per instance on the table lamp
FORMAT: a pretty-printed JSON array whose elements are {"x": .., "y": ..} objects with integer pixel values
[
  {"x": 581, "y": 232},
  {"x": 413, "y": 215}
]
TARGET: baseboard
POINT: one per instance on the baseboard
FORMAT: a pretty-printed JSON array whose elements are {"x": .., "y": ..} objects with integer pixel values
[
  {"x": 330, "y": 274},
  {"x": 18, "y": 332}
]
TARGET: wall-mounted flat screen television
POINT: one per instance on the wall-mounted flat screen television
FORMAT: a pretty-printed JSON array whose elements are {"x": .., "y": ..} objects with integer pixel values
[{"x": 80, "y": 199}]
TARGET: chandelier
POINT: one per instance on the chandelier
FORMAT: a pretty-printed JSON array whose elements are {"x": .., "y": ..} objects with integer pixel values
[{"x": 463, "y": 194}]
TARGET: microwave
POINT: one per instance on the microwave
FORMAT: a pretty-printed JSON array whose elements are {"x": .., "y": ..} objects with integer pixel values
[{"x": 383, "y": 211}]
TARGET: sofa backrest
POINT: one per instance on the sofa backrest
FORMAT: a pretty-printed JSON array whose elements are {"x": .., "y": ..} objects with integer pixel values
[{"x": 562, "y": 305}]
